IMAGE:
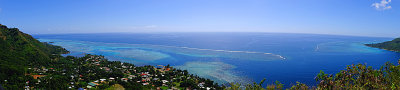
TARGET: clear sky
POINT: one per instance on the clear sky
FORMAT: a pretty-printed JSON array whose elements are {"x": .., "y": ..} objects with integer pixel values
[{"x": 343, "y": 17}]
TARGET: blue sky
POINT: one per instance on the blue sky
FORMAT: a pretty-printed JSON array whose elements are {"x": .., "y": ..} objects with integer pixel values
[{"x": 343, "y": 17}]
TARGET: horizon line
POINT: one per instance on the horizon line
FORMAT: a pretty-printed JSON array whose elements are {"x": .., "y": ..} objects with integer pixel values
[{"x": 211, "y": 32}]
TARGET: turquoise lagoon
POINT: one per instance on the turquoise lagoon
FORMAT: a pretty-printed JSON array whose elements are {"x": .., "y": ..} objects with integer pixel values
[{"x": 233, "y": 57}]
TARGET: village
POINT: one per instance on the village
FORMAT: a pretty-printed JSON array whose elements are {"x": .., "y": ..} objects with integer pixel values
[{"x": 96, "y": 72}]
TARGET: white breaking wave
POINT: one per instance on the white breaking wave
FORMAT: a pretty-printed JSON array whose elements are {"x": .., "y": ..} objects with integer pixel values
[
  {"x": 219, "y": 50},
  {"x": 251, "y": 52},
  {"x": 228, "y": 51}
]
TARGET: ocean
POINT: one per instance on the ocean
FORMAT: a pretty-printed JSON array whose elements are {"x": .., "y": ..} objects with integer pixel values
[{"x": 233, "y": 57}]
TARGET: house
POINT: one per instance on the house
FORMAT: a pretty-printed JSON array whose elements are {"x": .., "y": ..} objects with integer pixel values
[
  {"x": 145, "y": 79},
  {"x": 93, "y": 84},
  {"x": 26, "y": 87},
  {"x": 102, "y": 80},
  {"x": 201, "y": 85},
  {"x": 37, "y": 76},
  {"x": 111, "y": 78},
  {"x": 155, "y": 79},
  {"x": 124, "y": 79},
  {"x": 131, "y": 76},
  {"x": 159, "y": 66},
  {"x": 164, "y": 84},
  {"x": 167, "y": 69},
  {"x": 144, "y": 75},
  {"x": 164, "y": 81},
  {"x": 145, "y": 83}
]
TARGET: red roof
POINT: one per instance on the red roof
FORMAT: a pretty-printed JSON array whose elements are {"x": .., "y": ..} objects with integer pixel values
[{"x": 37, "y": 76}]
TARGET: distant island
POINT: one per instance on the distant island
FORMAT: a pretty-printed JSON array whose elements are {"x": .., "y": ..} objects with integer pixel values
[
  {"x": 393, "y": 45},
  {"x": 27, "y": 63}
]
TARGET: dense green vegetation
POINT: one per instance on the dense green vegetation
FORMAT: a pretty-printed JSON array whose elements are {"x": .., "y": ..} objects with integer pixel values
[
  {"x": 354, "y": 77},
  {"x": 19, "y": 50},
  {"x": 393, "y": 45},
  {"x": 28, "y": 63}
]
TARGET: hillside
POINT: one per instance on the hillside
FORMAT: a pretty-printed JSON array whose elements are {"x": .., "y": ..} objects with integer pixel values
[
  {"x": 393, "y": 45},
  {"x": 27, "y": 63},
  {"x": 19, "y": 50}
]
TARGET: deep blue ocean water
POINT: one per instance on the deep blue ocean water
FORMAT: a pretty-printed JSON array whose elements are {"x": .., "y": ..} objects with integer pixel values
[{"x": 233, "y": 57}]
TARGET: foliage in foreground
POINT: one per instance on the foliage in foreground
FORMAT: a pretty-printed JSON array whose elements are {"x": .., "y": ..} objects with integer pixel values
[
  {"x": 258, "y": 86},
  {"x": 354, "y": 77},
  {"x": 362, "y": 77}
]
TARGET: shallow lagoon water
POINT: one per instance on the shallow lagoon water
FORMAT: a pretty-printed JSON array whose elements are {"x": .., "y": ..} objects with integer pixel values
[
  {"x": 146, "y": 54},
  {"x": 233, "y": 57}
]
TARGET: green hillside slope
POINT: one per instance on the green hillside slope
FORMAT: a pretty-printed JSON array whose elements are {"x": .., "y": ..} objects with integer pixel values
[
  {"x": 19, "y": 50},
  {"x": 393, "y": 45}
]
